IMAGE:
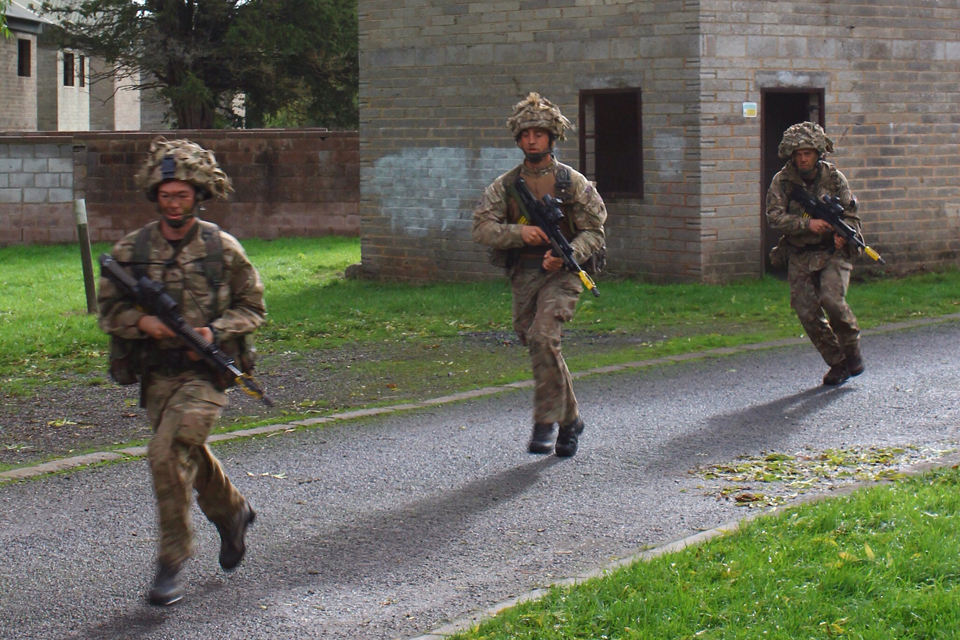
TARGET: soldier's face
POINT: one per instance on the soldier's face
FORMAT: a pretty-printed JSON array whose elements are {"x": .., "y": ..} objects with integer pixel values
[
  {"x": 534, "y": 141},
  {"x": 175, "y": 202},
  {"x": 805, "y": 159}
]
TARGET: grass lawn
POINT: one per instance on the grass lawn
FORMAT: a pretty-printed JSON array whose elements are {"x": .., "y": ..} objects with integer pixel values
[
  {"x": 880, "y": 564},
  {"x": 45, "y": 333}
]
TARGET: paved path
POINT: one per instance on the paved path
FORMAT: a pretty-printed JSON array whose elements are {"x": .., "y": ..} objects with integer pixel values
[{"x": 387, "y": 527}]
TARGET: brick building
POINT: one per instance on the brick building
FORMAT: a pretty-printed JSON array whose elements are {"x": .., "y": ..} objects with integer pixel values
[
  {"x": 680, "y": 106},
  {"x": 18, "y": 70},
  {"x": 45, "y": 88}
]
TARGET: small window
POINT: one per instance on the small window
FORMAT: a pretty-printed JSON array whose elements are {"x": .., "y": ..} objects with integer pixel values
[
  {"x": 68, "y": 70},
  {"x": 611, "y": 141},
  {"x": 23, "y": 58},
  {"x": 82, "y": 71}
]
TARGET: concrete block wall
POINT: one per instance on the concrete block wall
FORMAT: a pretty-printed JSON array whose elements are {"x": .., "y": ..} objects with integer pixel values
[
  {"x": 36, "y": 190},
  {"x": 890, "y": 71},
  {"x": 18, "y": 98},
  {"x": 438, "y": 81},
  {"x": 287, "y": 183}
]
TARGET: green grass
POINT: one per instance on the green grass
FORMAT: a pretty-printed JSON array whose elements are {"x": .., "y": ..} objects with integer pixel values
[
  {"x": 879, "y": 564},
  {"x": 45, "y": 334}
]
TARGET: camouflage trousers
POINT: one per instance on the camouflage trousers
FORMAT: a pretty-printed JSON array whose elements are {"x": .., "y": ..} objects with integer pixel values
[
  {"x": 182, "y": 409},
  {"x": 818, "y": 289},
  {"x": 541, "y": 304}
]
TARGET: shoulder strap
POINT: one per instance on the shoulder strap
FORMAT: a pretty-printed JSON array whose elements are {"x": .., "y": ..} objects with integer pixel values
[
  {"x": 141, "y": 251},
  {"x": 213, "y": 261}
]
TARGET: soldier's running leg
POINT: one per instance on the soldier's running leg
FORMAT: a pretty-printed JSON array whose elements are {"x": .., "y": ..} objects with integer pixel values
[
  {"x": 805, "y": 300},
  {"x": 542, "y": 303},
  {"x": 183, "y": 409},
  {"x": 834, "y": 282}
]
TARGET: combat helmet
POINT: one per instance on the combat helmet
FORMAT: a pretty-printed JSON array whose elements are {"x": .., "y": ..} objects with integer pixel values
[
  {"x": 537, "y": 112},
  {"x": 805, "y": 135},
  {"x": 182, "y": 160}
]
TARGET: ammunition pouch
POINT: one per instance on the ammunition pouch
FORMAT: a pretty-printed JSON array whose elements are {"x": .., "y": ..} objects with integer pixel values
[
  {"x": 780, "y": 254},
  {"x": 504, "y": 258},
  {"x": 243, "y": 354},
  {"x": 125, "y": 360},
  {"x": 595, "y": 263}
]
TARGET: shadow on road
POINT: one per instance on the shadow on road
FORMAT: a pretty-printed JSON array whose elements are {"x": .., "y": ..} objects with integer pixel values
[
  {"x": 746, "y": 431},
  {"x": 370, "y": 546}
]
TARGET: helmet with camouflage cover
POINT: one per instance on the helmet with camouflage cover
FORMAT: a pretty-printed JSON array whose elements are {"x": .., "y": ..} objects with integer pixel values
[
  {"x": 805, "y": 135},
  {"x": 186, "y": 161},
  {"x": 535, "y": 112}
]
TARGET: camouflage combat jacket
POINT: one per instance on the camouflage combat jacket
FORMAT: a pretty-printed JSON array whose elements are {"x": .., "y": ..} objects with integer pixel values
[
  {"x": 495, "y": 220},
  {"x": 786, "y": 216},
  {"x": 233, "y": 310}
]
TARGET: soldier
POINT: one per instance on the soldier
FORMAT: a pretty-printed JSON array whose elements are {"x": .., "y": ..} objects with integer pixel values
[
  {"x": 544, "y": 294},
  {"x": 819, "y": 261},
  {"x": 220, "y": 294}
]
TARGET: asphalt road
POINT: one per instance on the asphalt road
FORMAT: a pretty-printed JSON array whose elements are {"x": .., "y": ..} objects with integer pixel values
[{"x": 389, "y": 527}]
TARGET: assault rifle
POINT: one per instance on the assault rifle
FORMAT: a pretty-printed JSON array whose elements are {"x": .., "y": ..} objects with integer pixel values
[
  {"x": 831, "y": 211},
  {"x": 547, "y": 215},
  {"x": 150, "y": 296}
]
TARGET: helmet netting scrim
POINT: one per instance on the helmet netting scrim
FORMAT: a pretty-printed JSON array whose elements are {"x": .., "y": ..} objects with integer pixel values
[
  {"x": 805, "y": 135},
  {"x": 535, "y": 112},
  {"x": 183, "y": 160}
]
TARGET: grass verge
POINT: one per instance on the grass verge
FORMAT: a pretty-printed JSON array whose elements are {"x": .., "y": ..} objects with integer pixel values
[{"x": 879, "y": 564}]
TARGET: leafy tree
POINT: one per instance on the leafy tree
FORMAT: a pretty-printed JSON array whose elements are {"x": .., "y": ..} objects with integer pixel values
[
  {"x": 205, "y": 56},
  {"x": 3, "y": 18}
]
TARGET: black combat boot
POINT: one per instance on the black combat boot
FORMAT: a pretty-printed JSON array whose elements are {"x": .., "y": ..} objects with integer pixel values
[
  {"x": 838, "y": 374},
  {"x": 854, "y": 360},
  {"x": 541, "y": 440},
  {"x": 567, "y": 438},
  {"x": 232, "y": 545},
  {"x": 166, "y": 586}
]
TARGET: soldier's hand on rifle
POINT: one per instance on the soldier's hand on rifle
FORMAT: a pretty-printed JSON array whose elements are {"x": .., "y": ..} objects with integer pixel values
[
  {"x": 551, "y": 262},
  {"x": 819, "y": 226},
  {"x": 153, "y": 327},
  {"x": 533, "y": 235},
  {"x": 206, "y": 334},
  {"x": 839, "y": 241}
]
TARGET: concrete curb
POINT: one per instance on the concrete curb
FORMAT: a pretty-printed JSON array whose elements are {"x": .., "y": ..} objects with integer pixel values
[
  {"x": 468, "y": 622},
  {"x": 66, "y": 464}
]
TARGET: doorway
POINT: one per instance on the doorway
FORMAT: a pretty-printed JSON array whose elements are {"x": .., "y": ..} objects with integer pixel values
[{"x": 779, "y": 109}]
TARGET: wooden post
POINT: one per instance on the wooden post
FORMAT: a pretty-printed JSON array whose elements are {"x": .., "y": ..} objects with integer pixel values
[{"x": 80, "y": 211}]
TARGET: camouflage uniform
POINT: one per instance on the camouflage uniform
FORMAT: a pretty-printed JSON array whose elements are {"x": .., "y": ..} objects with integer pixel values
[
  {"x": 180, "y": 395},
  {"x": 542, "y": 302},
  {"x": 818, "y": 273}
]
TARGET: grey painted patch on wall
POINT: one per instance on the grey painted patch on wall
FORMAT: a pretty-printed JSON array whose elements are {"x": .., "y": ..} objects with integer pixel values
[{"x": 420, "y": 191}]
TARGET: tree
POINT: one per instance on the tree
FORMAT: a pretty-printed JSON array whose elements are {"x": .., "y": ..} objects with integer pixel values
[
  {"x": 3, "y": 18},
  {"x": 205, "y": 56}
]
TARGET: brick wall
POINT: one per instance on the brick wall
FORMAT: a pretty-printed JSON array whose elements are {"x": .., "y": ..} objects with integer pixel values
[
  {"x": 18, "y": 97},
  {"x": 890, "y": 74},
  {"x": 438, "y": 81},
  {"x": 288, "y": 183}
]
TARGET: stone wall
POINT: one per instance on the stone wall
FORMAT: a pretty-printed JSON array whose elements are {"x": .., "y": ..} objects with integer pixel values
[
  {"x": 439, "y": 80},
  {"x": 287, "y": 183}
]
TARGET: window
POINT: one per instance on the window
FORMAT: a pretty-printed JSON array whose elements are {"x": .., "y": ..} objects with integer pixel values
[
  {"x": 611, "y": 141},
  {"x": 23, "y": 58},
  {"x": 68, "y": 70},
  {"x": 82, "y": 71}
]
